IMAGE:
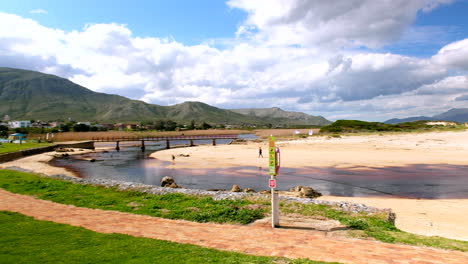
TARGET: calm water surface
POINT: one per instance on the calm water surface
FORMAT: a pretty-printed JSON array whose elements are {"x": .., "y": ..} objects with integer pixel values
[{"x": 416, "y": 181}]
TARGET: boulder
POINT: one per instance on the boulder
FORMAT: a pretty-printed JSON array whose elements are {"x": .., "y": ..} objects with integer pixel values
[
  {"x": 296, "y": 188},
  {"x": 173, "y": 185},
  {"x": 166, "y": 181},
  {"x": 248, "y": 190},
  {"x": 235, "y": 188},
  {"x": 309, "y": 192}
]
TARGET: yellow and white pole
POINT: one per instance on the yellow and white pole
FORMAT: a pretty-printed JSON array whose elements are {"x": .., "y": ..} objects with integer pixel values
[{"x": 273, "y": 165}]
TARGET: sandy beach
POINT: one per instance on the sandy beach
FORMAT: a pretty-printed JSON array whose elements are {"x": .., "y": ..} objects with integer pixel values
[
  {"x": 435, "y": 217},
  {"x": 39, "y": 163}
]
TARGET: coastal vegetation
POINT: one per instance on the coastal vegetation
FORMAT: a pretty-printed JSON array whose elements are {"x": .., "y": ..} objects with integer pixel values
[
  {"x": 205, "y": 209},
  {"x": 26, "y": 240},
  {"x": 357, "y": 126}
]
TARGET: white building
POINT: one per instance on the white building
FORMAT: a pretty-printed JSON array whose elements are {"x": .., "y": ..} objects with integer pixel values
[{"x": 19, "y": 124}]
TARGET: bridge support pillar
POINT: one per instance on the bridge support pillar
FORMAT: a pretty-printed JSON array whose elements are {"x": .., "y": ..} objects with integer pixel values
[
  {"x": 191, "y": 143},
  {"x": 143, "y": 145},
  {"x": 168, "y": 144},
  {"x": 214, "y": 142},
  {"x": 117, "y": 147}
]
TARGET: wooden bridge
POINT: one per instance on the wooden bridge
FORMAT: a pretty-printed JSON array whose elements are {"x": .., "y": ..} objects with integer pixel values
[{"x": 168, "y": 139}]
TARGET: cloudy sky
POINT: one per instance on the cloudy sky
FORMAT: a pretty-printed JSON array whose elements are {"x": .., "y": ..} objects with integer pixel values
[{"x": 343, "y": 59}]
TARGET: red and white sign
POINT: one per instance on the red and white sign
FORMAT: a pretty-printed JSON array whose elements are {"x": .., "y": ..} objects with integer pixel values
[{"x": 272, "y": 183}]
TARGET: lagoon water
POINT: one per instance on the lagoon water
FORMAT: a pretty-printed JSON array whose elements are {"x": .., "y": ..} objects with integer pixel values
[{"x": 417, "y": 181}]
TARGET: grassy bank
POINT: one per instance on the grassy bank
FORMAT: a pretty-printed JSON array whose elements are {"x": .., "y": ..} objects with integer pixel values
[
  {"x": 205, "y": 209},
  {"x": 11, "y": 147},
  {"x": 25, "y": 240},
  {"x": 172, "y": 205},
  {"x": 376, "y": 227}
]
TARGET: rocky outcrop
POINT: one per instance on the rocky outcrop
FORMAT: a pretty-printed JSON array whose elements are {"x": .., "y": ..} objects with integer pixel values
[
  {"x": 167, "y": 181},
  {"x": 236, "y": 188},
  {"x": 306, "y": 192}
]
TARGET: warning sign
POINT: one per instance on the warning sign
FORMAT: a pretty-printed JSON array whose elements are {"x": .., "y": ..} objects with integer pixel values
[{"x": 272, "y": 183}]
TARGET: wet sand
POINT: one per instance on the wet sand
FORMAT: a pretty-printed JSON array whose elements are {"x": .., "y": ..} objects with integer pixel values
[
  {"x": 40, "y": 163},
  {"x": 442, "y": 217}
]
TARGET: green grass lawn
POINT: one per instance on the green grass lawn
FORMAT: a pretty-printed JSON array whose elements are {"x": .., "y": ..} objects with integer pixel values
[
  {"x": 25, "y": 240},
  {"x": 11, "y": 147},
  {"x": 205, "y": 209},
  {"x": 172, "y": 205}
]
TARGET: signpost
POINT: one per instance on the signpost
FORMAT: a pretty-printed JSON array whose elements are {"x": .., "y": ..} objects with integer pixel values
[{"x": 273, "y": 169}]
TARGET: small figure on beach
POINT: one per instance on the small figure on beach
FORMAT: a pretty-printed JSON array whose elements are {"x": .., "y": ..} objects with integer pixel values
[
  {"x": 260, "y": 152},
  {"x": 173, "y": 157}
]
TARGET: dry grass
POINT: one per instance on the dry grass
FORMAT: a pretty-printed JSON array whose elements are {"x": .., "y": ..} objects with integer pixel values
[{"x": 77, "y": 136}]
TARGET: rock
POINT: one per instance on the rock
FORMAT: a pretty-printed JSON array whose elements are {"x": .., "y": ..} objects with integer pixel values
[
  {"x": 166, "y": 181},
  {"x": 265, "y": 192},
  {"x": 249, "y": 190},
  {"x": 92, "y": 160},
  {"x": 235, "y": 188},
  {"x": 296, "y": 188},
  {"x": 391, "y": 217},
  {"x": 216, "y": 190},
  {"x": 305, "y": 191},
  {"x": 309, "y": 192},
  {"x": 173, "y": 185}
]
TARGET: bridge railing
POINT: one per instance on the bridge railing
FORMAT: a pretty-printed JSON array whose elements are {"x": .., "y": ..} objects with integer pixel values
[{"x": 128, "y": 138}]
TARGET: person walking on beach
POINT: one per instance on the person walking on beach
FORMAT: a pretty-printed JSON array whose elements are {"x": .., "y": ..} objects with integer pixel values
[{"x": 260, "y": 152}]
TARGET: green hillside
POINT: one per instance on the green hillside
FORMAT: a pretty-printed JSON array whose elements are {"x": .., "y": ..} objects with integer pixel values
[
  {"x": 32, "y": 95},
  {"x": 276, "y": 115},
  {"x": 27, "y": 95}
]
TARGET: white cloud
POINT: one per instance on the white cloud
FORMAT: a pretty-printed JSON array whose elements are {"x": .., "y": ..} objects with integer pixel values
[
  {"x": 454, "y": 55},
  {"x": 330, "y": 23},
  {"x": 38, "y": 11},
  {"x": 256, "y": 71}
]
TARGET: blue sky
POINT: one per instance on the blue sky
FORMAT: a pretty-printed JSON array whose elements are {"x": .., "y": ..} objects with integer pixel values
[
  {"x": 189, "y": 22},
  {"x": 363, "y": 59}
]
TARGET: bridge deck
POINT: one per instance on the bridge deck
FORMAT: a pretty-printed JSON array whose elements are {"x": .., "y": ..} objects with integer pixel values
[{"x": 210, "y": 137}]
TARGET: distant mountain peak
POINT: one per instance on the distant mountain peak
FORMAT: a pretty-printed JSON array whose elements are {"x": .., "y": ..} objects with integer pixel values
[
  {"x": 455, "y": 115},
  {"x": 33, "y": 95}
]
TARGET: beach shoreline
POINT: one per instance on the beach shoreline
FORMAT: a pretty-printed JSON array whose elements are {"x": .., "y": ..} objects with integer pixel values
[{"x": 432, "y": 217}]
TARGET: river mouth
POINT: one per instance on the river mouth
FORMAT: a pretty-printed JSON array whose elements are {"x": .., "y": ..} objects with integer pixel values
[{"x": 429, "y": 181}]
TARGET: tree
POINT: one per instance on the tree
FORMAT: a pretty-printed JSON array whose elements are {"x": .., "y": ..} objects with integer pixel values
[
  {"x": 64, "y": 128},
  {"x": 159, "y": 125},
  {"x": 3, "y": 131},
  {"x": 192, "y": 125},
  {"x": 170, "y": 125},
  {"x": 81, "y": 128},
  {"x": 206, "y": 126}
]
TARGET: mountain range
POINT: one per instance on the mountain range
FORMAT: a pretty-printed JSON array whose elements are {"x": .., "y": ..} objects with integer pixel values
[
  {"x": 26, "y": 95},
  {"x": 459, "y": 115}
]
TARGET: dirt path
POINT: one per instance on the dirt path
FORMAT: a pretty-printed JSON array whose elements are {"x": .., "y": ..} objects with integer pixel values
[{"x": 246, "y": 239}]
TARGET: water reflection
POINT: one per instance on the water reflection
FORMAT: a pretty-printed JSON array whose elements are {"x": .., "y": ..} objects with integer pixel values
[{"x": 415, "y": 181}]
